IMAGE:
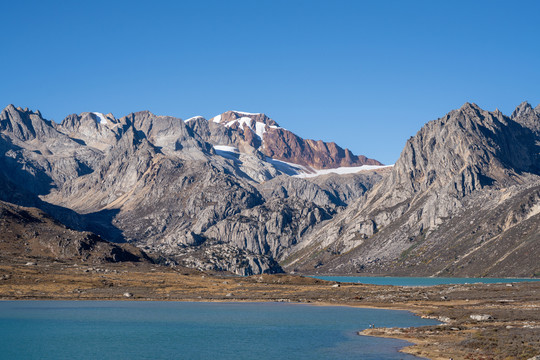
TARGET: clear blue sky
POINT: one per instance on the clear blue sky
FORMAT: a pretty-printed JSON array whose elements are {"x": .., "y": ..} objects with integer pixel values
[{"x": 366, "y": 74}]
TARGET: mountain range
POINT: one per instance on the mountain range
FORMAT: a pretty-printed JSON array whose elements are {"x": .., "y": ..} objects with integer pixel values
[{"x": 239, "y": 193}]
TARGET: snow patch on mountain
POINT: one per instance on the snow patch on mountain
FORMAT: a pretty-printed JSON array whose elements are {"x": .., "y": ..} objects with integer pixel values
[
  {"x": 242, "y": 121},
  {"x": 297, "y": 170},
  {"x": 231, "y": 152},
  {"x": 258, "y": 127},
  {"x": 226, "y": 148},
  {"x": 194, "y": 118},
  {"x": 102, "y": 118},
  {"x": 228, "y": 152},
  {"x": 245, "y": 113},
  {"x": 341, "y": 170},
  {"x": 288, "y": 168}
]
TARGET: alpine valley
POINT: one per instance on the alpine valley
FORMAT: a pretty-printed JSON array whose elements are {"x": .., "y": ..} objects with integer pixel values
[{"x": 239, "y": 193}]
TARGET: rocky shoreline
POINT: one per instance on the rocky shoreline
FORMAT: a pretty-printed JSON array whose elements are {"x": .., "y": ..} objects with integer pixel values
[{"x": 478, "y": 321}]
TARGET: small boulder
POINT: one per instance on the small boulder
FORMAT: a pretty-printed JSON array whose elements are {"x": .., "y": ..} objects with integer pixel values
[
  {"x": 484, "y": 317},
  {"x": 128, "y": 294}
]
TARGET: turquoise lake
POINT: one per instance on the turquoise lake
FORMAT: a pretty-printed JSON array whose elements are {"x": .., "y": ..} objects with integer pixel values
[
  {"x": 418, "y": 281},
  {"x": 182, "y": 330}
]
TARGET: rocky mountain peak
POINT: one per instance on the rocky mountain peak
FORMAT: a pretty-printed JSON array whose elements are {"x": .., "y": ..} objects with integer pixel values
[
  {"x": 527, "y": 117},
  {"x": 94, "y": 119},
  {"x": 195, "y": 118},
  {"x": 19, "y": 111},
  {"x": 466, "y": 151},
  {"x": 249, "y": 129},
  {"x": 436, "y": 209},
  {"x": 256, "y": 131},
  {"x": 24, "y": 124},
  {"x": 472, "y": 146},
  {"x": 104, "y": 119},
  {"x": 156, "y": 181},
  {"x": 231, "y": 116},
  {"x": 472, "y": 106},
  {"x": 93, "y": 128},
  {"x": 523, "y": 108},
  {"x": 168, "y": 133}
]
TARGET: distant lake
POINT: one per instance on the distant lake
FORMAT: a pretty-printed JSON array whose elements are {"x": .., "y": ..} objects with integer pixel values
[
  {"x": 183, "y": 330},
  {"x": 418, "y": 281}
]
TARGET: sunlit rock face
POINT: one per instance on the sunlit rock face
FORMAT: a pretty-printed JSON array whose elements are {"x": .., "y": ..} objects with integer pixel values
[
  {"x": 462, "y": 200},
  {"x": 197, "y": 192},
  {"x": 239, "y": 193}
]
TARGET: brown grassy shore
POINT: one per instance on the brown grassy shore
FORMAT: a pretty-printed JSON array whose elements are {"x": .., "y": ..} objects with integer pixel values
[{"x": 510, "y": 331}]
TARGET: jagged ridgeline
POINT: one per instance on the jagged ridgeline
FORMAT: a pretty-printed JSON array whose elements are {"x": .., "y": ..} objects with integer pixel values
[
  {"x": 462, "y": 200},
  {"x": 240, "y": 193},
  {"x": 234, "y": 193}
]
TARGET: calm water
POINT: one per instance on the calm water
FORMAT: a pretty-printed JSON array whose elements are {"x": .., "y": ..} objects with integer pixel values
[
  {"x": 417, "y": 281},
  {"x": 176, "y": 330}
]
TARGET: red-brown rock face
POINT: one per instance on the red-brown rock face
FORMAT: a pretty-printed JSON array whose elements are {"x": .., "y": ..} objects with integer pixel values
[{"x": 263, "y": 133}]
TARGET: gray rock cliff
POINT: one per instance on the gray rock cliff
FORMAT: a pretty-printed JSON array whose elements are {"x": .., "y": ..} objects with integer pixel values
[
  {"x": 430, "y": 214},
  {"x": 462, "y": 200},
  {"x": 157, "y": 182}
]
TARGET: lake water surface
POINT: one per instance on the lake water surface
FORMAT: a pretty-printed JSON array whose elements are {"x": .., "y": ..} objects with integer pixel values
[
  {"x": 181, "y": 330},
  {"x": 418, "y": 281}
]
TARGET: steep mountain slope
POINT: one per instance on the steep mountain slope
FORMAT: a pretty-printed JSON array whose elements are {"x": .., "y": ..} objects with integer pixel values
[
  {"x": 154, "y": 181},
  {"x": 226, "y": 194},
  {"x": 257, "y": 132},
  {"x": 461, "y": 200},
  {"x": 29, "y": 234}
]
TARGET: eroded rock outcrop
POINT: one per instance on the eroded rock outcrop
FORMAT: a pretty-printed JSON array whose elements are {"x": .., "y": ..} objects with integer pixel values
[
  {"x": 250, "y": 132},
  {"x": 441, "y": 210},
  {"x": 462, "y": 200},
  {"x": 157, "y": 182}
]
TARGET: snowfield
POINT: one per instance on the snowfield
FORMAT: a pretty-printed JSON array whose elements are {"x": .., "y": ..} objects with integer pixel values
[
  {"x": 342, "y": 170},
  {"x": 102, "y": 119}
]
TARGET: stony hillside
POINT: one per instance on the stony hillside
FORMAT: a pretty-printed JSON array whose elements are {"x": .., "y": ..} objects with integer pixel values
[
  {"x": 462, "y": 200},
  {"x": 164, "y": 185},
  {"x": 240, "y": 193},
  {"x": 29, "y": 235}
]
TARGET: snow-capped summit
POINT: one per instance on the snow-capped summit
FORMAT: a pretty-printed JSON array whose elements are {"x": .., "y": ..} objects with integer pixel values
[
  {"x": 256, "y": 131},
  {"x": 245, "y": 113},
  {"x": 229, "y": 117}
]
